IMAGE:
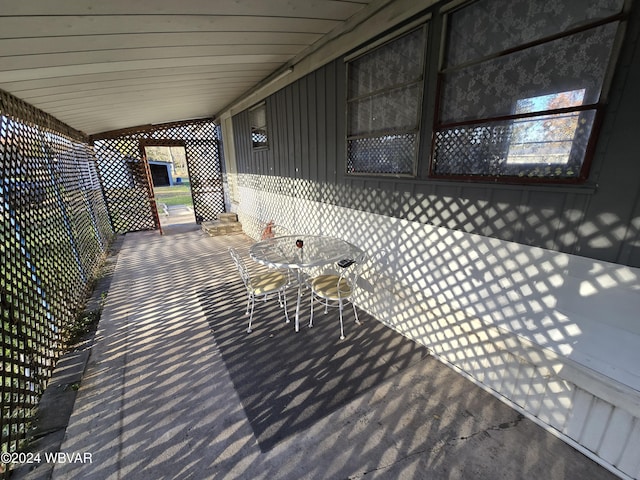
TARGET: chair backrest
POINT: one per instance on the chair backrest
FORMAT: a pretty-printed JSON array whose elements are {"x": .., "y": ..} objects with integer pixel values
[
  {"x": 380, "y": 257},
  {"x": 242, "y": 269},
  {"x": 379, "y": 262},
  {"x": 351, "y": 274}
]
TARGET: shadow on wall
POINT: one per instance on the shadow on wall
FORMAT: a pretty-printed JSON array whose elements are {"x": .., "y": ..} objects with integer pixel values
[
  {"x": 540, "y": 327},
  {"x": 537, "y": 218}
]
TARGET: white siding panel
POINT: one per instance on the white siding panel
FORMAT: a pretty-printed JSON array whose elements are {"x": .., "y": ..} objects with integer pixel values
[
  {"x": 523, "y": 384},
  {"x": 579, "y": 413},
  {"x": 556, "y": 403},
  {"x": 630, "y": 460},
  {"x": 616, "y": 436},
  {"x": 596, "y": 425},
  {"x": 512, "y": 374},
  {"x": 536, "y": 395}
]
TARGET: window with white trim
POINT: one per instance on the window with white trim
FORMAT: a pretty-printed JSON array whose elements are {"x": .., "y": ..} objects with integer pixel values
[{"x": 521, "y": 88}]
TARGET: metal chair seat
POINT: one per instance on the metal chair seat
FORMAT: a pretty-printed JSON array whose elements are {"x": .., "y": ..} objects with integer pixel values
[
  {"x": 266, "y": 283},
  {"x": 336, "y": 289},
  {"x": 331, "y": 287}
]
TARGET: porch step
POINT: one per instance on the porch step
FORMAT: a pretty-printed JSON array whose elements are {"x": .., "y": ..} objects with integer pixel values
[
  {"x": 227, "y": 217},
  {"x": 226, "y": 224}
]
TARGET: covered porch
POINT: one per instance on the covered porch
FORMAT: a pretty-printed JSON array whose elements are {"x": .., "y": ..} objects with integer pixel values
[
  {"x": 495, "y": 163},
  {"x": 164, "y": 397}
]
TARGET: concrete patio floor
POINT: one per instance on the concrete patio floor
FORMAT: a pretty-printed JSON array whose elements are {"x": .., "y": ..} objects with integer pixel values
[{"x": 157, "y": 402}]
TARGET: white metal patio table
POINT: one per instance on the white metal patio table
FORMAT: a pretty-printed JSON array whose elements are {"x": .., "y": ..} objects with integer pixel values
[{"x": 316, "y": 251}]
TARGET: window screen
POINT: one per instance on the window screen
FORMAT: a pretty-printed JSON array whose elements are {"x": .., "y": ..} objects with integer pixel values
[
  {"x": 258, "y": 119},
  {"x": 521, "y": 86},
  {"x": 384, "y": 99}
]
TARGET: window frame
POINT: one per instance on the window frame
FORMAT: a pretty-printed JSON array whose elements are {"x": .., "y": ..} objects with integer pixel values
[
  {"x": 597, "y": 107},
  {"x": 254, "y": 128},
  {"x": 422, "y": 24}
]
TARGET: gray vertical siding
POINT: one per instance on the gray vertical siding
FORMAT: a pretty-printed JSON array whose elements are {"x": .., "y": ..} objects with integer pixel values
[
  {"x": 553, "y": 334},
  {"x": 599, "y": 220}
]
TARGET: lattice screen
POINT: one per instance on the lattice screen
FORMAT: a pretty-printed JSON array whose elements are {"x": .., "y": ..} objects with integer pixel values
[
  {"x": 125, "y": 183},
  {"x": 514, "y": 148},
  {"x": 387, "y": 154},
  {"x": 127, "y": 188},
  {"x": 53, "y": 237}
]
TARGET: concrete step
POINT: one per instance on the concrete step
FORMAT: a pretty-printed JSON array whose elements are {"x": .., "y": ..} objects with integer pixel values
[
  {"x": 227, "y": 217},
  {"x": 217, "y": 228}
]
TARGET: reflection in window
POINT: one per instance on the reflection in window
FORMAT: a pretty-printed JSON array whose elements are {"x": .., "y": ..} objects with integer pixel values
[{"x": 547, "y": 139}]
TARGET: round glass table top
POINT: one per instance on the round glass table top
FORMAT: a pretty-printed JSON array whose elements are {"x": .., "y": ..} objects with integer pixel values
[{"x": 315, "y": 250}]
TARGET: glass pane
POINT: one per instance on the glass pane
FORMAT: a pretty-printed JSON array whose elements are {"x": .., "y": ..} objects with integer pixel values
[
  {"x": 545, "y": 139},
  {"x": 490, "y": 26},
  {"x": 393, "y": 110},
  {"x": 495, "y": 87},
  {"x": 544, "y": 146},
  {"x": 395, "y": 63},
  {"x": 259, "y": 138},
  {"x": 552, "y": 101},
  {"x": 385, "y": 154},
  {"x": 258, "y": 116}
]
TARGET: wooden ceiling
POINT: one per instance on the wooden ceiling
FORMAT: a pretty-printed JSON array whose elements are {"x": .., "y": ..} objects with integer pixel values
[{"x": 112, "y": 64}]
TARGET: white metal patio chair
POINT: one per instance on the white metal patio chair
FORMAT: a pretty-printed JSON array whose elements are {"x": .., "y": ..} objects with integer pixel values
[
  {"x": 261, "y": 284},
  {"x": 336, "y": 289}
]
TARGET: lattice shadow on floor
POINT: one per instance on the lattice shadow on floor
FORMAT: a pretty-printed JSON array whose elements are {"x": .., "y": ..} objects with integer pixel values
[{"x": 287, "y": 381}]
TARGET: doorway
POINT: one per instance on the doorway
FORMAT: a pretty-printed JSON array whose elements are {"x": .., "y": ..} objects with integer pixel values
[{"x": 171, "y": 184}]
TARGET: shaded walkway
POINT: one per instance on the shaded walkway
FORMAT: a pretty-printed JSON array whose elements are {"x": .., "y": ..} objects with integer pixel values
[{"x": 158, "y": 401}]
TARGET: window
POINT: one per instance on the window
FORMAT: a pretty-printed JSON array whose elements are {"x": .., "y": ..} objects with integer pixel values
[
  {"x": 546, "y": 140},
  {"x": 520, "y": 88},
  {"x": 258, "y": 119},
  {"x": 384, "y": 99}
]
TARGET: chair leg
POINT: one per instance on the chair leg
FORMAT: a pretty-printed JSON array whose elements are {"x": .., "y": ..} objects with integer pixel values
[
  {"x": 311, "y": 319},
  {"x": 341, "y": 327},
  {"x": 253, "y": 302},
  {"x": 355, "y": 313},
  {"x": 286, "y": 313}
]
